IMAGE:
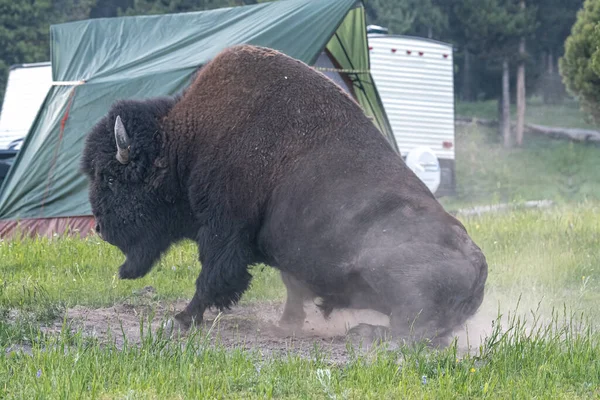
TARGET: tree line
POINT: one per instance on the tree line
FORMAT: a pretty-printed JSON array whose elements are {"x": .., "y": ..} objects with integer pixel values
[{"x": 504, "y": 49}]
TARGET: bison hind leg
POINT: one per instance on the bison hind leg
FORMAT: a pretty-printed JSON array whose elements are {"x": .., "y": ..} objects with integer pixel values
[{"x": 297, "y": 293}]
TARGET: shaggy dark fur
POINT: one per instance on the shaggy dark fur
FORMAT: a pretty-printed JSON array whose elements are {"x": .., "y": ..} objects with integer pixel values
[{"x": 264, "y": 160}]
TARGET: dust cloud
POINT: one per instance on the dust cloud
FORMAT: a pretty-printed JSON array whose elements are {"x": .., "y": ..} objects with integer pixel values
[
  {"x": 510, "y": 309},
  {"x": 255, "y": 327}
]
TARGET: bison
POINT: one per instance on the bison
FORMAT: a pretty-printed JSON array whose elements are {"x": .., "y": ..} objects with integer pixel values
[{"x": 264, "y": 160}]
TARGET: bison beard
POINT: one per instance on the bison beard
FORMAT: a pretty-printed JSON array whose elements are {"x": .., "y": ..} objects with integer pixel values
[{"x": 264, "y": 160}]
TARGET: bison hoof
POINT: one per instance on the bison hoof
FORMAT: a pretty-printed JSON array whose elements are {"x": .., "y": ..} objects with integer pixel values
[
  {"x": 374, "y": 333},
  {"x": 180, "y": 324},
  {"x": 127, "y": 273},
  {"x": 294, "y": 325},
  {"x": 186, "y": 321},
  {"x": 292, "y": 319},
  {"x": 172, "y": 328},
  {"x": 439, "y": 342}
]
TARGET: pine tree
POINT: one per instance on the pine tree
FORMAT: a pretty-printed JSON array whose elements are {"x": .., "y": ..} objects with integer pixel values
[
  {"x": 580, "y": 66},
  {"x": 24, "y": 30},
  {"x": 492, "y": 30}
]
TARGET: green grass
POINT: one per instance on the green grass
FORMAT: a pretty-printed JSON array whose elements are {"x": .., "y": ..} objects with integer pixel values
[
  {"x": 43, "y": 276},
  {"x": 557, "y": 170},
  {"x": 548, "y": 256},
  {"x": 544, "y": 280},
  {"x": 566, "y": 115},
  {"x": 544, "y": 260},
  {"x": 550, "y": 363}
]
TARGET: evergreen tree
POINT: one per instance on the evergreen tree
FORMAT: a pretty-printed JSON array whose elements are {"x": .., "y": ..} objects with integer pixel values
[
  {"x": 420, "y": 17},
  {"x": 492, "y": 31},
  {"x": 109, "y": 8},
  {"x": 484, "y": 32},
  {"x": 397, "y": 16},
  {"x": 556, "y": 18},
  {"x": 148, "y": 7},
  {"x": 580, "y": 66},
  {"x": 24, "y": 29}
]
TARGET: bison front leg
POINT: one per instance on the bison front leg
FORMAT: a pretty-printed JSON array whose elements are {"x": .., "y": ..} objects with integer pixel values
[
  {"x": 141, "y": 258},
  {"x": 224, "y": 276}
]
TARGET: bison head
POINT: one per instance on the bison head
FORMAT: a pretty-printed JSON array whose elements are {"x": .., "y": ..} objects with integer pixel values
[{"x": 133, "y": 188}]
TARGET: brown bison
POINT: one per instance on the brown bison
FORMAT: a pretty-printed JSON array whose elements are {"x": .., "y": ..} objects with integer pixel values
[{"x": 265, "y": 160}]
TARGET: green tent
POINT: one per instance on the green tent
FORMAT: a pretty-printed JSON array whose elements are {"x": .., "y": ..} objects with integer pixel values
[{"x": 95, "y": 62}]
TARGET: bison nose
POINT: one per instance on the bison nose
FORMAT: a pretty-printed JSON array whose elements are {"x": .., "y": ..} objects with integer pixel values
[{"x": 97, "y": 227}]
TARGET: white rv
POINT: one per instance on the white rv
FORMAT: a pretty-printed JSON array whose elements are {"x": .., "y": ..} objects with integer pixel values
[
  {"x": 26, "y": 89},
  {"x": 415, "y": 80}
]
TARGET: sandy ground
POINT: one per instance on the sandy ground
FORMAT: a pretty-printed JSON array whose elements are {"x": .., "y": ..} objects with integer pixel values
[{"x": 248, "y": 326}]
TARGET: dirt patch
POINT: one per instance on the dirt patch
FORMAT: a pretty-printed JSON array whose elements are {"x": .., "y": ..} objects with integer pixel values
[{"x": 247, "y": 326}]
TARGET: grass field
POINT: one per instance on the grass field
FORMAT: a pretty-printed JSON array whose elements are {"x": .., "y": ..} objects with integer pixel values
[
  {"x": 542, "y": 169},
  {"x": 547, "y": 261},
  {"x": 536, "y": 334},
  {"x": 556, "y": 170},
  {"x": 566, "y": 115}
]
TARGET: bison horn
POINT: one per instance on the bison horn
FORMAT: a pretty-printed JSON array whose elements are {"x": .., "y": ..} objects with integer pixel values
[{"x": 122, "y": 141}]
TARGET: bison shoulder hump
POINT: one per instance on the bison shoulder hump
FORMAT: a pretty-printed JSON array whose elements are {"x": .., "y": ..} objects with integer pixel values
[{"x": 246, "y": 55}]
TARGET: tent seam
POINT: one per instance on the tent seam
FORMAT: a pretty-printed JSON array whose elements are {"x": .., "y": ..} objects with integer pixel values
[{"x": 55, "y": 156}]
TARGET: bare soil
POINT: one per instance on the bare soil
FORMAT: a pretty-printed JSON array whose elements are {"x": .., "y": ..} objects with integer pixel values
[{"x": 247, "y": 326}]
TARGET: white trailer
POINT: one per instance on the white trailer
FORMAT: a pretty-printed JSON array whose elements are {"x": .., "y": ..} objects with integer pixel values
[
  {"x": 415, "y": 80},
  {"x": 26, "y": 89}
]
